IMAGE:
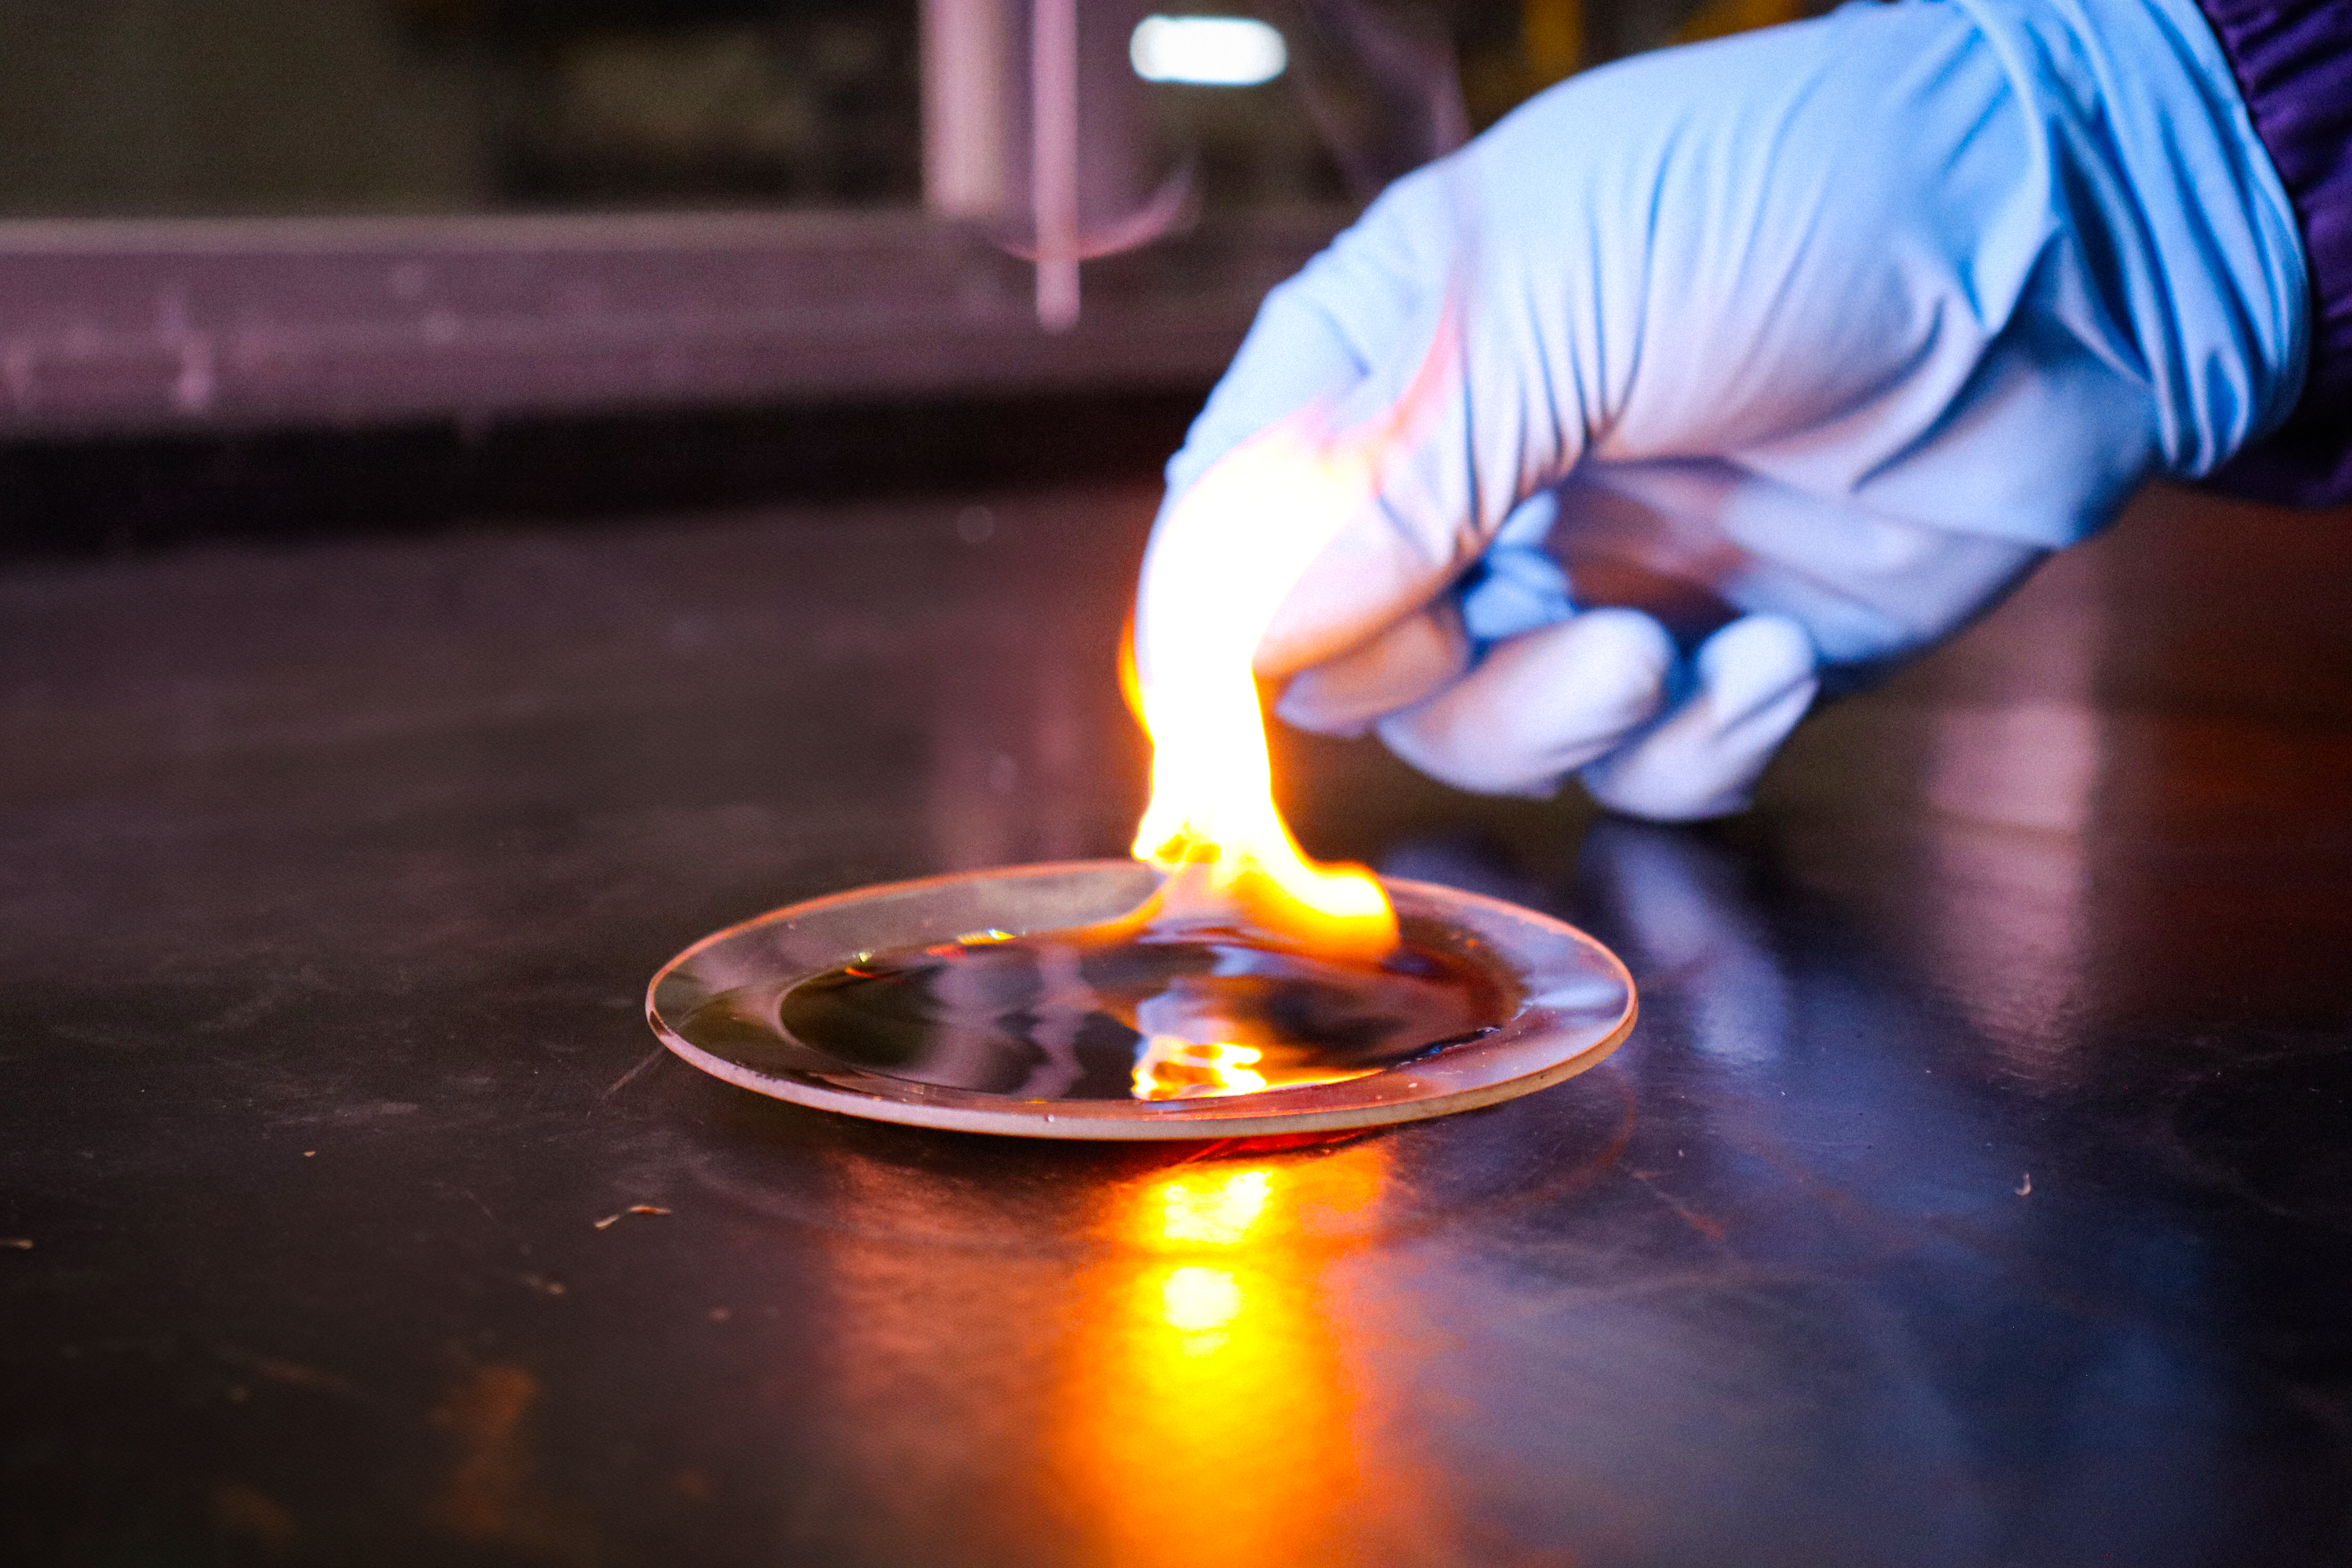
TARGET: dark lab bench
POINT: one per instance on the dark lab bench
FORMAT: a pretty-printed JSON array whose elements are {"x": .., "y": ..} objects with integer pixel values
[{"x": 1975, "y": 1189}]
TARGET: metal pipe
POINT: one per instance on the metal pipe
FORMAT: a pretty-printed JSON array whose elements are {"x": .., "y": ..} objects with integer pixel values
[{"x": 1054, "y": 158}]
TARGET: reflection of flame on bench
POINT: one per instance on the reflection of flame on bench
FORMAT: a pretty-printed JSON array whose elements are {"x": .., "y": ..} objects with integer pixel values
[{"x": 1207, "y": 1417}]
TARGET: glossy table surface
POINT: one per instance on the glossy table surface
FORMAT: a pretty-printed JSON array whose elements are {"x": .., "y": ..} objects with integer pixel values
[{"x": 1976, "y": 1189}]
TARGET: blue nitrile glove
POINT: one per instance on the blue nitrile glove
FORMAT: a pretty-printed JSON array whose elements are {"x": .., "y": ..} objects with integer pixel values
[{"x": 1779, "y": 359}]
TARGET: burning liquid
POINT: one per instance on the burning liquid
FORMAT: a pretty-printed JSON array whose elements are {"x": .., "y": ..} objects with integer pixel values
[{"x": 1113, "y": 1012}]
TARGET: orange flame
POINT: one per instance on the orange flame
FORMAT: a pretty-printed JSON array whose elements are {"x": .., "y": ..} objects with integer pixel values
[
  {"x": 1232, "y": 551},
  {"x": 1237, "y": 544},
  {"x": 1223, "y": 561}
]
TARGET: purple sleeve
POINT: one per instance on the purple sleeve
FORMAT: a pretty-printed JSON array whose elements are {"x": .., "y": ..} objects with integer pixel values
[{"x": 2294, "y": 64}]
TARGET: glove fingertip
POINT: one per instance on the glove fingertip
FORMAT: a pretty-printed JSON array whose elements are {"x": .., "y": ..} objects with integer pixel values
[
  {"x": 1402, "y": 666},
  {"x": 1756, "y": 678},
  {"x": 1754, "y": 660},
  {"x": 1540, "y": 705}
]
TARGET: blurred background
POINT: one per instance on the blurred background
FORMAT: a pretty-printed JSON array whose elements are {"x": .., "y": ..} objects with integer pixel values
[
  {"x": 278, "y": 266},
  {"x": 271, "y": 108}
]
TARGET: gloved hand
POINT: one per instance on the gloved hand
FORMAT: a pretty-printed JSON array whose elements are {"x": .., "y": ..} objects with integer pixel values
[{"x": 1758, "y": 366}]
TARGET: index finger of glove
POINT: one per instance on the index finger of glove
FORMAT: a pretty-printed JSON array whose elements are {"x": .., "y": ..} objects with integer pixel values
[
  {"x": 1486, "y": 396},
  {"x": 1360, "y": 358},
  {"x": 1365, "y": 301}
]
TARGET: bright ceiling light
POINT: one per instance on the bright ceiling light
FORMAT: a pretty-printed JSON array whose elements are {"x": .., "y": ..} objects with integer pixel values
[{"x": 1207, "y": 51}]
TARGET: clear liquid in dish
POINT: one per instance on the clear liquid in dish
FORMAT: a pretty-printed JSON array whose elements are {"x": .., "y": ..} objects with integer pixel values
[{"x": 1114, "y": 1013}]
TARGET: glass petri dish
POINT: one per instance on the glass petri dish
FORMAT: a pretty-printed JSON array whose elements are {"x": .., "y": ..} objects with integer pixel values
[{"x": 718, "y": 1005}]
